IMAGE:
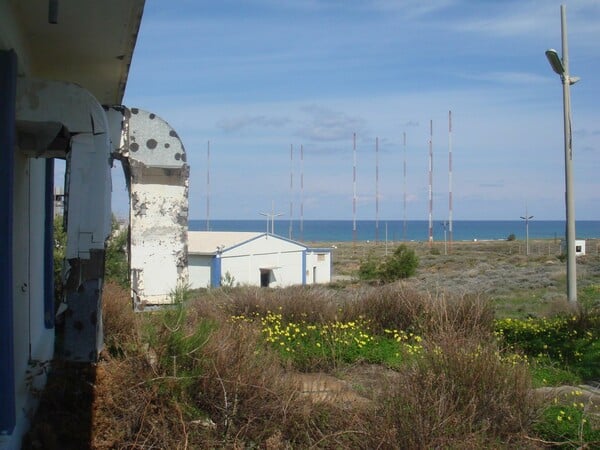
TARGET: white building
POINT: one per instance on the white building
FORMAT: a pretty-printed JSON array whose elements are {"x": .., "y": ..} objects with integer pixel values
[{"x": 253, "y": 259}]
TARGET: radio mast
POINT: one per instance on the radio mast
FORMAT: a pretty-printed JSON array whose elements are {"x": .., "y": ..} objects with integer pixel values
[
  {"x": 376, "y": 190},
  {"x": 430, "y": 182},
  {"x": 404, "y": 197},
  {"x": 450, "y": 178},
  {"x": 291, "y": 191},
  {"x": 208, "y": 186},
  {"x": 354, "y": 190},
  {"x": 301, "y": 192}
]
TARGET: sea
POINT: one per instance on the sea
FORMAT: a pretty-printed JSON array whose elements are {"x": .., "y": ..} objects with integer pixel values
[{"x": 400, "y": 230}]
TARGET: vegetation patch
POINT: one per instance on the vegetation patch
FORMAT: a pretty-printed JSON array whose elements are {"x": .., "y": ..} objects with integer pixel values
[{"x": 437, "y": 364}]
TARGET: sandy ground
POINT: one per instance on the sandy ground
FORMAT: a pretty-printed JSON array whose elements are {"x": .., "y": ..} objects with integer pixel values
[{"x": 499, "y": 269}]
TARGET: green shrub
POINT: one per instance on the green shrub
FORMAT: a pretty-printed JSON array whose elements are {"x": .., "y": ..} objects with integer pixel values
[
  {"x": 567, "y": 426},
  {"x": 117, "y": 265},
  {"x": 511, "y": 237},
  {"x": 60, "y": 246},
  {"x": 568, "y": 341},
  {"x": 368, "y": 269},
  {"x": 402, "y": 263}
]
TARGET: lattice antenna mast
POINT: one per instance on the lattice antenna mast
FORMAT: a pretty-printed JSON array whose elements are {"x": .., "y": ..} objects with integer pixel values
[
  {"x": 450, "y": 178},
  {"x": 430, "y": 182},
  {"x": 291, "y": 191},
  {"x": 354, "y": 189},
  {"x": 376, "y": 189},
  {"x": 208, "y": 186},
  {"x": 302, "y": 192},
  {"x": 404, "y": 182}
]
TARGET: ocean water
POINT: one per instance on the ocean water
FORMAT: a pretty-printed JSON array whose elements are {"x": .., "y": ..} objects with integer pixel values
[{"x": 395, "y": 230}]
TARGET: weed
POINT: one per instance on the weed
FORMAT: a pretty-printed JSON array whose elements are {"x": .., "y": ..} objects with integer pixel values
[{"x": 567, "y": 426}]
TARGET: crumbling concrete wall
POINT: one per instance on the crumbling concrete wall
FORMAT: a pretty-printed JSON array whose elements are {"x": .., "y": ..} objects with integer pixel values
[{"x": 157, "y": 175}]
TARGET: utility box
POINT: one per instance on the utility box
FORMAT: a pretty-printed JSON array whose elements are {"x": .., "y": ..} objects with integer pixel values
[{"x": 579, "y": 247}]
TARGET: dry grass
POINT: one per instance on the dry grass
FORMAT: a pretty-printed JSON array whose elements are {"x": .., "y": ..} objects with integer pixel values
[
  {"x": 460, "y": 395},
  {"x": 201, "y": 381}
]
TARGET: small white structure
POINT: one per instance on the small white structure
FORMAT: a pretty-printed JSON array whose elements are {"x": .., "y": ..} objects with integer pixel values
[
  {"x": 579, "y": 247},
  {"x": 253, "y": 259}
]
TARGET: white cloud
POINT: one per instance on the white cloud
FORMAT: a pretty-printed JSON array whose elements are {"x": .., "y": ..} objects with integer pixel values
[
  {"x": 328, "y": 125},
  {"x": 238, "y": 123},
  {"x": 510, "y": 77}
]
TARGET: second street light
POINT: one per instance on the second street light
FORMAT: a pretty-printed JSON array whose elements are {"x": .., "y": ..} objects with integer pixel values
[
  {"x": 527, "y": 218},
  {"x": 561, "y": 67}
]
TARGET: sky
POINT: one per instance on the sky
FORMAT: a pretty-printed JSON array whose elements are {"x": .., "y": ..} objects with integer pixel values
[{"x": 259, "y": 77}]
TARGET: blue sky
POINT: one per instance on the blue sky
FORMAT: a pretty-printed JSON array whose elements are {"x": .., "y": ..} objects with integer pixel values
[{"x": 257, "y": 76}]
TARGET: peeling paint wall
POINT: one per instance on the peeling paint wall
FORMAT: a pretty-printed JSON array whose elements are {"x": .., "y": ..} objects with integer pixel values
[
  {"x": 157, "y": 174},
  {"x": 56, "y": 119}
]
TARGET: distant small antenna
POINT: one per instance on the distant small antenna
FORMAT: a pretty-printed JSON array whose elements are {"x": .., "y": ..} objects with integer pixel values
[
  {"x": 301, "y": 192},
  {"x": 430, "y": 182},
  {"x": 354, "y": 190},
  {"x": 208, "y": 186},
  {"x": 404, "y": 200},
  {"x": 376, "y": 190},
  {"x": 291, "y": 191},
  {"x": 450, "y": 179}
]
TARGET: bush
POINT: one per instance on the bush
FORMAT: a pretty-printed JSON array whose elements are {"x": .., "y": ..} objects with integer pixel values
[
  {"x": 402, "y": 263},
  {"x": 567, "y": 426},
  {"x": 459, "y": 394},
  {"x": 569, "y": 341},
  {"x": 511, "y": 237},
  {"x": 368, "y": 269},
  {"x": 60, "y": 248},
  {"x": 117, "y": 265}
]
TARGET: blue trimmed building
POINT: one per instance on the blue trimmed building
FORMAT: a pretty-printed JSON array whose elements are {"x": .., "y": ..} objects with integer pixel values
[{"x": 254, "y": 259}]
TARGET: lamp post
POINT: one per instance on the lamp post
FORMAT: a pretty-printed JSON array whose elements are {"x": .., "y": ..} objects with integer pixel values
[
  {"x": 527, "y": 218},
  {"x": 271, "y": 218},
  {"x": 561, "y": 67}
]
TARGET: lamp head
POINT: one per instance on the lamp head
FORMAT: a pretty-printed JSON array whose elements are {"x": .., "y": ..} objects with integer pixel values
[{"x": 555, "y": 61}]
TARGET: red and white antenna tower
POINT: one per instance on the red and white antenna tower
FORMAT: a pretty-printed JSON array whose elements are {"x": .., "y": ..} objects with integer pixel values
[
  {"x": 301, "y": 192},
  {"x": 404, "y": 182},
  {"x": 376, "y": 189},
  {"x": 450, "y": 177},
  {"x": 291, "y": 191},
  {"x": 208, "y": 186},
  {"x": 354, "y": 189},
  {"x": 430, "y": 182}
]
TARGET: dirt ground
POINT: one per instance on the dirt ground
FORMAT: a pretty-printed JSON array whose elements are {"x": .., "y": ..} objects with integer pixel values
[{"x": 500, "y": 270}]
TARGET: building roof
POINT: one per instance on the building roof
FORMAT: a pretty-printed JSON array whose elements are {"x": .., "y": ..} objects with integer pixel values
[
  {"x": 87, "y": 42},
  {"x": 206, "y": 242}
]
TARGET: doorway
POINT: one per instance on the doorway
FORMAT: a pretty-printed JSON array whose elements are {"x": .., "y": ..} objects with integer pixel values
[{"x": 265, "y": 277}]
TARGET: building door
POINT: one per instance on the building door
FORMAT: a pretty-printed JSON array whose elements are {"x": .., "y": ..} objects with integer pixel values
[{"x": 265, "y": 277}]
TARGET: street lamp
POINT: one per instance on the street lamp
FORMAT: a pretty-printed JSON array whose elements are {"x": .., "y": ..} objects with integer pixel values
[
  {"x": 271, "y": 218},
  {"x": 527, "y": 218},
  {"x": 561, "y": 67}
]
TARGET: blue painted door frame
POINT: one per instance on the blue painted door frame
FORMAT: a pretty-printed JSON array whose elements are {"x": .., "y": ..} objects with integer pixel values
[{"x": 8, "y": 89}]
